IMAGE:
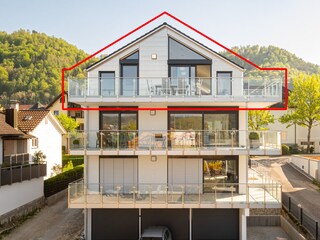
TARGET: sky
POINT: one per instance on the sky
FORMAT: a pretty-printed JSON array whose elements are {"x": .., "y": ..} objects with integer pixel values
[{"x": 293, "y": 25}]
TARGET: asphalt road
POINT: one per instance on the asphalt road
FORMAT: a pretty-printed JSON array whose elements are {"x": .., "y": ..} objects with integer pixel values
[
  {"x": 295, "y": 184},
  {"x": 56, "y": 222}
]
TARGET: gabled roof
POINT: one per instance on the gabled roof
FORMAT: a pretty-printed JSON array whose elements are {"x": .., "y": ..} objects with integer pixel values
[
  {"x": 28, "y": 120},
  {"x": 6, "y": 129},
  {"x": 55, "y": 99},
  {"x": 153, "y": 31}
]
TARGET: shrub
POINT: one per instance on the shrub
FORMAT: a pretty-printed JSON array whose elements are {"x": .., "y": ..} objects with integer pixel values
[
  {"x": 76, "y": 160},
  {"x": 39, "y": 157},
  {"x": 67, "y": 167},
  {"x": 60, "y": 182},
  {"x": 76, "y": 142},
  {"x": 294, "y": 149},
  {"x": 254, "y": 136},
  {"x": 285, "y": 149},
  {"x": 311, "y": 149}
]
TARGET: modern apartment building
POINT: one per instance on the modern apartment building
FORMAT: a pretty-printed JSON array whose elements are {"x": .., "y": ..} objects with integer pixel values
[{"x": 185, "y": 166}]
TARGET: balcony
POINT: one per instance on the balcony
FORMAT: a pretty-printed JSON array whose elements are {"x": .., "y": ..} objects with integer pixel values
[
  {"x": 164, "y": 89},
  {"x": 19, "y": 158},
  {"x": 190, "y": 142},
  {"x": 228, "y": 195},
  {"x": 19, "y": 173}
]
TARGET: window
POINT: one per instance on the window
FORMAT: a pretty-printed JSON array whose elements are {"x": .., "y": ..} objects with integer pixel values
[
  {"x": 284, "y": 135},
  {"x": 129, "y": 75},
  {"x": 56, "y": 112},
  {"x": 107, "y": 83},
  {"x": 189, "y": 72},
  {"x": 224, "y": 83},
  {"x": 179, "y": 51},
  {"x": 217, "y": 172},
  {"x": 126, "y": 122},
  {"x": 35, "y": 143}
]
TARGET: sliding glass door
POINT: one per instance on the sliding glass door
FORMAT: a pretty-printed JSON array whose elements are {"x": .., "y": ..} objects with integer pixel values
[{"x": 129, "y": 80}]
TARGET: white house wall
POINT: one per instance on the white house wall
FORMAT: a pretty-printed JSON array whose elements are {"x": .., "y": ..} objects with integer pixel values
[
  {"x": 152, "y": 172},
  {"x": 295, "y": 134},
  {"x": 18, "y": 194},
  {"x": 157, "y": 43},
  {"x": 49, "y": 142}
]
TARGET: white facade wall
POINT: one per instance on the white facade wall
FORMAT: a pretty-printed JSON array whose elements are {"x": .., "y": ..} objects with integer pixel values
[
  {"x": 152, "y": 172},
  {"x": 18, "y": 194},
  {"x": 157, "y": 43},
  {"x": 49, "y": 142},
  {"x": 295, "y": 134},
  {"x": 308, "y": 165}
]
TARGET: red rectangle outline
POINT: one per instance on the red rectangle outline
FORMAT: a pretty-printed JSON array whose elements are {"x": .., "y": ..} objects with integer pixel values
[{"x": 176, "y": 109}]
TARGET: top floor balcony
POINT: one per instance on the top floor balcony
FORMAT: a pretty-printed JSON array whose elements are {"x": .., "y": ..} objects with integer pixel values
[{"x": 166, "y": 89}]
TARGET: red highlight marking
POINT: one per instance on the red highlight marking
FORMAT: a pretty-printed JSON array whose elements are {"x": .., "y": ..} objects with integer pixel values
[{"x": 177, "y": 109}]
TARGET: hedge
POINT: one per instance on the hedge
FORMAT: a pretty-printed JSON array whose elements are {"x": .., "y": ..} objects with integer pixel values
[
  {"x": 61, "y": 181},
  {"x": 76, "y": 160}
]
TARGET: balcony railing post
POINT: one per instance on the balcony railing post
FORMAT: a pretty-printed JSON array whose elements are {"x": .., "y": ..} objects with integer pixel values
[
  {"x": 118, "y": 200},
  {"x": 232, "y": 196},
  {"x": 183, "y": 191},
  {"x": 150, "y": 196},
  {"x": 247, "y": 195},
  {"x": 20, "y": 173},
  {"x": 264, "y": 196},
  {"x": 199, "y": 196},
  {"x": 101, "y": 193},
  {"x": 134, "y": 195},
  {"x": 167, "y": 196}
]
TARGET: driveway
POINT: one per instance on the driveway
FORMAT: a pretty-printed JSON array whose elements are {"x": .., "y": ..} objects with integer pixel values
[
  {"x": 295, "y": 184},
  {"x": 55, "y": 222}
]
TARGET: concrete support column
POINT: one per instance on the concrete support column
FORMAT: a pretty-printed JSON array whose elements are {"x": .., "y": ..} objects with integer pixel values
[
  {"x": 87, "y": 224},
  {"x": 243, "y": 213}
]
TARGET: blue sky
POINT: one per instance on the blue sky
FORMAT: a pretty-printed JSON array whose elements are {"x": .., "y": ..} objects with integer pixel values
[{"x": 90, "y": 25}]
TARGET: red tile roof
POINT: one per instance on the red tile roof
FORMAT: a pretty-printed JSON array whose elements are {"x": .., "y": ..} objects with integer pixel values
[
  {"x": 6, "y": 129},
  {"x": 28, "y": 120}
]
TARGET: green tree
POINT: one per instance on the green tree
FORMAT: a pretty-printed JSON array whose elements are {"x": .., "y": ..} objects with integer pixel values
[
  {"x": 259, "y": 119},
  {"x": 69, "y": 124},
  {"x": 304, "y": 104}
]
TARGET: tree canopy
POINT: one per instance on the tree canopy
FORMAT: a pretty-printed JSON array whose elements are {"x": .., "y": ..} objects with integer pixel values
[
  {"x": 31, "y": 63},
  {"x": 304, "y": 103},
  {"x": 67, "y": 122},
  {"x": 258, "y": 120}
]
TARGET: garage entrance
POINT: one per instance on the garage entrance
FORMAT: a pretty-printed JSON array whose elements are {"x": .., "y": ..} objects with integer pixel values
[
  {"x": 211, "y": 224},
  {"x": 177, "y": 220},
  {"x": 111, "y": 224}
]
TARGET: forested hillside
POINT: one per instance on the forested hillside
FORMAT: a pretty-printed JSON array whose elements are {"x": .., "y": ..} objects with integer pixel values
[
  {"x": 271, "y": 56},
  {"x": 31, "y": 63}
]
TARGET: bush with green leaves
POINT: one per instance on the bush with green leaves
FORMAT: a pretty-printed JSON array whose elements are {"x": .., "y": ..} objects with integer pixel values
[
  {"x": 285, "y": 149},
  {"x": 254, "y": 136}
]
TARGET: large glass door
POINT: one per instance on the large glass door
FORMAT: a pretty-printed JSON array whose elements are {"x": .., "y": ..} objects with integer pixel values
[
  {"x": 224, "y": 83},
  {"x": 129, "y": 80},
  {"x": 218, "y": 175},
  {"x": 107, "y": 84}
]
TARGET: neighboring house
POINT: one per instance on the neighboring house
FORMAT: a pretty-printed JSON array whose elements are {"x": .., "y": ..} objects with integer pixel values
[
  {"x": 47, "y": 132},
  {"x": 187, "y": 170},
  {"x": 55, "y": 107},
  {"x": 296, "y": 134},
  {"x": 21, "y": 180}
]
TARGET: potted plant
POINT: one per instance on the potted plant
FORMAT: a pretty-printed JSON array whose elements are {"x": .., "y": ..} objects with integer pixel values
[
  {"x": 76, "y": 143},
  {"x": 254, "y": 138}
]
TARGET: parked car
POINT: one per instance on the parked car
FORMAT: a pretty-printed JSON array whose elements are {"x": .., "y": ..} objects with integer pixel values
[{"x": 156, "y": 233}]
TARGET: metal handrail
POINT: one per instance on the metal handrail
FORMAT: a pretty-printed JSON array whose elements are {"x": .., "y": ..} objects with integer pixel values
[
  {"x": 171, "y": 139},
  {"x": 164, "y": 86},
  {"x": 182, "y": 194}
]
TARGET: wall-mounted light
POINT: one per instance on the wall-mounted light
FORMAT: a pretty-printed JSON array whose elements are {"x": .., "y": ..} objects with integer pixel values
[
  {"x": 153, "y": 112},
  {"x": 154, "y": 56},
  {"x": 153, "y": 158}
]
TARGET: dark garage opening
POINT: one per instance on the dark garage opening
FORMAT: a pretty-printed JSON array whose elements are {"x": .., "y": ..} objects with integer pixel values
[
  {"x": 115, "y": 224},
  {"x": 214, "y": 224},
  {"x": 177, "y": 220}
]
